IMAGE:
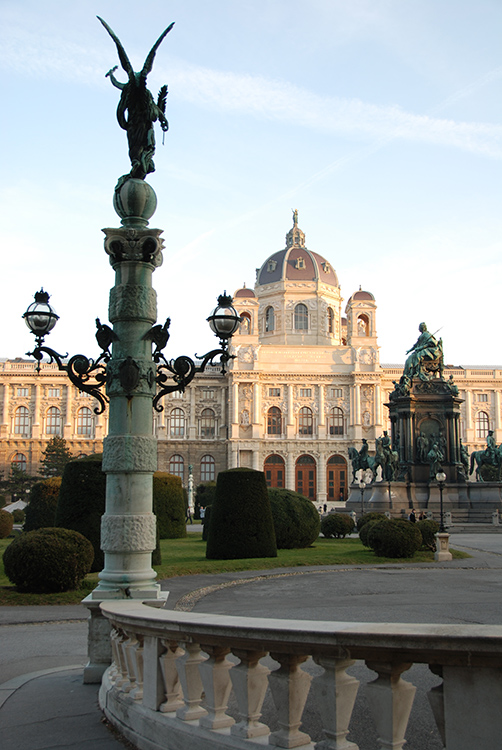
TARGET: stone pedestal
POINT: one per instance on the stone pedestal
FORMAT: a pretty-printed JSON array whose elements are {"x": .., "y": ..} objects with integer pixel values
[{"x": 442, "y": 553}]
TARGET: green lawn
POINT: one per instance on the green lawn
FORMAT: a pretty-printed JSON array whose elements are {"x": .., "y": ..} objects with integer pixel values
[{"x": 188, "y": 556}]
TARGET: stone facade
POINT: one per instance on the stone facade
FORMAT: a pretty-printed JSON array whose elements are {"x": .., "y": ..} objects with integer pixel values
[{"x": 305, "y": 385}]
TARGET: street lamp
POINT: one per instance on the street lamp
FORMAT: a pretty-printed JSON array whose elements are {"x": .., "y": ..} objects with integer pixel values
[
  {"x": 362, "y": 485},
  {"x": 441, "y": 479}
]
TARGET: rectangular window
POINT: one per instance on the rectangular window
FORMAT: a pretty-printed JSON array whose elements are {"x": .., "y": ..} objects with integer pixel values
[
  {"x": 207, "y": 394},
  {"x": 22, "y": 391},
  {"x": 305, "y": 392},
  {"x": 274, "y": 392},
  {"x": 336, "y": 393},
  {"x": 482, "y": 397},
  {"x": 54, "y": 392}
]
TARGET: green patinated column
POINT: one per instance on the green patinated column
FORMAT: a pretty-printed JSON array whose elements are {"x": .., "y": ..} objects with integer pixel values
[{"x": 130, "y": 449}]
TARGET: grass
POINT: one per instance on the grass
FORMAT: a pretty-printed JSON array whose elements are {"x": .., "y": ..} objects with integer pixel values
[{"x": 188, "y": 556}]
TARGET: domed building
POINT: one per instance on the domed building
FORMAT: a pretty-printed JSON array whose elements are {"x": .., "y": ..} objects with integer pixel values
[{"x": 305, "y": 384}]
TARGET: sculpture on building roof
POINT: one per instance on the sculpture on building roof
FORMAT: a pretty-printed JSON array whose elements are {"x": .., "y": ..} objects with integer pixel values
[
  {"x": 425, "y": 356},
  {"x": 142, "y": 111}
]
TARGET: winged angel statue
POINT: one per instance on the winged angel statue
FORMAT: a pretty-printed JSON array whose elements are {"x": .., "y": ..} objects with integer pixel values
[{"x": 137, "y": 110}]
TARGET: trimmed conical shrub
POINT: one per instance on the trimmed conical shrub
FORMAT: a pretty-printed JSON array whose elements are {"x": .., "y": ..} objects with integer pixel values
[
  {"x": 169, "y": 505},
  {"x": 241, "y": 519},
  {"x": 82, "y": 502},
  {"x": 41, "y": 510}
]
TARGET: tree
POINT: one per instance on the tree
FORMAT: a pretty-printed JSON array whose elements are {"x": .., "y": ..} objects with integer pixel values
[
  {"x": 55, "y": 457},
  {"x": 18, "y": 483}
]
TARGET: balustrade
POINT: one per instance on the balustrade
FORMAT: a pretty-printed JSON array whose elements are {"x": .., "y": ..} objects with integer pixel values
[{"x": 174, "y": 672}]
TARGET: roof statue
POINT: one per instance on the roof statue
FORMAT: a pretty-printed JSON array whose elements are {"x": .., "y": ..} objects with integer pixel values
[
  {"x": 137, "y": 110},
  {"x": 425, "y": 356}
]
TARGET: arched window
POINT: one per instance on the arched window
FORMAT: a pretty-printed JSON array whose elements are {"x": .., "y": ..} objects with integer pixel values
[
  {"x": 336, "y": 421},
  {"x": 301, "y": 317},
  {"x": 177, "y": 466},
  {"x": 331, "y": 320},
  {"x": 269, "y": 319},
  {"x": 363, "y": 326},
  {"x": 482, "y": 424},
  {"x": 22, "y": 421},
  {"x": 274, "y": 421},
  {"x": 207, "y": 469},
  {"x": 245, "y": 323},
  {"x": 19, "y": 461},
  {"x": 305, "y": 421},
  {"x": 53, "y": 421},
  {"x": 207, "y": 423},
  {"x": 84, "y": 422},
  {"x": 177, "y": 423}
]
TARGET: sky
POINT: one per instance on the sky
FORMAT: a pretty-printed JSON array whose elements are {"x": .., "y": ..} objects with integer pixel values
[{"x": 380, "y": 121}]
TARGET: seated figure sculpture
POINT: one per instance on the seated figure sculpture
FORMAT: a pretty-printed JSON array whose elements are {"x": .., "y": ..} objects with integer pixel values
[{"x": 425, "y": 356}]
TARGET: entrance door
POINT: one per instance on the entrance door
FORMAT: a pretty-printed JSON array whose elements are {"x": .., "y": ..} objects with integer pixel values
[
  {"x": 336, "y": 478},
  {"x": 274, "y": 469},
  {"x": 306, "y": 477}
]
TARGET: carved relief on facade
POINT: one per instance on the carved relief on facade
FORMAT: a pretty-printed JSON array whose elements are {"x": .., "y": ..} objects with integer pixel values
[
  {"x": 247, "y": 353},
  {"x": 244, "y": 419}
]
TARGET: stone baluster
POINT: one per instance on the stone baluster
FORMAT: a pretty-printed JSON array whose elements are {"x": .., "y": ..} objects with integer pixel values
[
  {"x": 249, "y": 679},
  {"x": 191, "y": 683},
  {"x": 129, "y": 648},
  {"x": 436, "y": 700},
  {"x": 153, "y": 685},
  {"x": 122, "y": 677},
  {"x": 289, "y": 686},
  {"x": 390, "y": 699},
  {"x": 137, "y": 693},
  {"x": 335, "y": 693},
  {"x": 215, "y": 678},
  {"x": 114, "y": 672},
  {"x": 172, "y": 685}
]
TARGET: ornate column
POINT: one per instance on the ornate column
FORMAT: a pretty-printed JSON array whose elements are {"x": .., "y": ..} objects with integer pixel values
[
  {"x": 67, "y": 428},
  {"x": 5, "y": 410},
  {"x": 35, "y": 428},
  {"x": 256, "y": 418}
]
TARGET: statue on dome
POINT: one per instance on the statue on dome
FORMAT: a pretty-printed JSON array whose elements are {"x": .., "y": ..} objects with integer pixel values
[
  {"x": 425, "y": 356},
  {"x": 295, "y": 216},
  {"x": 142, "y": 111}
]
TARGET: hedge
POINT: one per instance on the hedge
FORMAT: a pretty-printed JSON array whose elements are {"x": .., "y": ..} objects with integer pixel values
[
  {"x": 296, "y": 521},
  {"x": 169, "y": 505},
  {"x": 337, "y": 525},
  {"x": 41, "y": 510},
  {"x": 395, "y": 538}
]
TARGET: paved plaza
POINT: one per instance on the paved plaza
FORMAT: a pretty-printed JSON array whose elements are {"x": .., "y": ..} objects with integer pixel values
[{"x": 44, "y": 704}]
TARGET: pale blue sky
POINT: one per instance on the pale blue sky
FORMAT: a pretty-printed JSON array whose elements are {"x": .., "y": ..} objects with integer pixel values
[{"x": 379, "y": 120}]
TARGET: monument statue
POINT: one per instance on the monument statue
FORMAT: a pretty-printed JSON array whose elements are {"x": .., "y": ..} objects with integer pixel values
[
  {"x": 435, "y": 457},
  {"x": 426, "y": 351},
  {"x": 422, "y": 448},
  {"x": 137, "y": 110},
  {"x": 491, "y": 456}
]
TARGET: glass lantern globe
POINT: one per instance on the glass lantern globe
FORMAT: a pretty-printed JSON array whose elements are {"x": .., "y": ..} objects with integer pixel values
[
  {"x": 224, "y": 320},
  {"x": 40, "y": 317}
]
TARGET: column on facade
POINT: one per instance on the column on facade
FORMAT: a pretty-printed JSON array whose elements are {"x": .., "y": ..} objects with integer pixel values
[
  {"x": 256, "y": 410},
  {"x": 290, "y": 423},
  {"x": 35, "y": 429},
  {"x": 234, "y": 419},
  {"x": 233, "y": 456},
  {"x": 321, "y": 430},
  {"x": 257, "y": 465},
  {"x": 468, "y": 410},
  {"x": 67, "y": 429},
  {"x": 290, "y": 472},
  {"x": 378, "y": 406},
  {"x": 98, "y": 426},
  {"x": 192, "y": 420},
  {"x": 5, "y": 410},
  {"x": 498, "y": 424},
  {"x": 225, "y": 414}
]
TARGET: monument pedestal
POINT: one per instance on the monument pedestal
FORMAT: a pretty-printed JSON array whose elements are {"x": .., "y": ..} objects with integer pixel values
[{"x": 442, "y": 553}]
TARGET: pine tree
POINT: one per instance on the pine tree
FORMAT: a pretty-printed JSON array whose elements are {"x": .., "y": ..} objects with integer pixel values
[{"x": 55, "y": 457}]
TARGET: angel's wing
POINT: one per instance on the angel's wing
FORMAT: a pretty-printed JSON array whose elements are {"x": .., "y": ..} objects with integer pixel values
[
  {"x": 147, "y": 67},
  {"x": 121, "y": 51}
]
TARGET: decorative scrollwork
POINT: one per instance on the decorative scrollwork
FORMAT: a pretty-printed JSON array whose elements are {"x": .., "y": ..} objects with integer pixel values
[{"x": 183, "y": 370}]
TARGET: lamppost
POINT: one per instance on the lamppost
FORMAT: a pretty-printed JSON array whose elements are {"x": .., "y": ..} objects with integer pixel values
[
  {"x": 441, "y": 479},
  {"x": 362, "y": 485}
]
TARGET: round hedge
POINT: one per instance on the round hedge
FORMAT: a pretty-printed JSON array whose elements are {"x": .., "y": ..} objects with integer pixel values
[
  {"x": 48, "y": 560},
  {"x": 337, "y": 525},
  {"x": 241, "y": 520},
  {"x": 428, "y": 529},
  {"x": 365, "y": 530},
  {"x": 41, "y": 510},
  {"x": 18, "y": 515},
  {"x": 82, "y": 502},
  {"x": 372, "y": 516},
  {"x": 169, "y": 505},
  {"x": 6, "y": 524},
  {"x": 296, "y": 521},
  {"x": 394, "y": 538}
]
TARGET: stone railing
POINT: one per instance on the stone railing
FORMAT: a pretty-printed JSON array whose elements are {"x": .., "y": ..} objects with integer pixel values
[{"x": 170, "y": 682}]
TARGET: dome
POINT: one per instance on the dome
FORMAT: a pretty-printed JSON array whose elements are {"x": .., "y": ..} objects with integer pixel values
[
  {"x": 360, "y": 295},
  {"x": 244, "y": 292},
  {"x": 296, "y": 262}
]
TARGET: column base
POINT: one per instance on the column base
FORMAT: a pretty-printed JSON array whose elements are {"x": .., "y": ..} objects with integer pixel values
[{"x": 442, "y": 553}]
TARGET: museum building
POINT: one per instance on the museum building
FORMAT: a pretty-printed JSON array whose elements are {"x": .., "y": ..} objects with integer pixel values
[{"x": 305, "y": 385}]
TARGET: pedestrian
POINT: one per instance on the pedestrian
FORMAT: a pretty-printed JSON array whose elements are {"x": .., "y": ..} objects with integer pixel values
[
  {"x": 325, "y": 508},
  {"x": 189, "y": 516},
  {"x": 202, "y": 514},
  {"x": 412, "y": 517}
]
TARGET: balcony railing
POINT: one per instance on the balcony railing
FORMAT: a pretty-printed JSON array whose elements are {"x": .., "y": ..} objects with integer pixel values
[{"x": 173, "y": 673}]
